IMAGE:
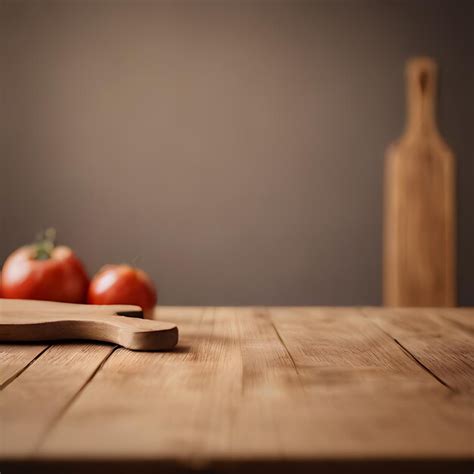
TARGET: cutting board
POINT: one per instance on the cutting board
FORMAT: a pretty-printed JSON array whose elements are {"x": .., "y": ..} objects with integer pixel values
[
  {"x": 419, "y": 233},
  {"x": 27, "y": 320}
]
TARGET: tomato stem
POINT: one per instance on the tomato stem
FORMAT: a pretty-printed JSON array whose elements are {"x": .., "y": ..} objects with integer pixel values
[{"x": 45, "y": 243}]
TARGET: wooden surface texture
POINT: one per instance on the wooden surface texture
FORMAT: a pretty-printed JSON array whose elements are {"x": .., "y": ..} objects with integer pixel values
[{"x": 250, "y": 389}]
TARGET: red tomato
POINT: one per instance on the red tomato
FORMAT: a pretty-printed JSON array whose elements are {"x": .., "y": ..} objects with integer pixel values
[
  {"x": 123, "y": 284},
  {"x": 36, "y": 274}
]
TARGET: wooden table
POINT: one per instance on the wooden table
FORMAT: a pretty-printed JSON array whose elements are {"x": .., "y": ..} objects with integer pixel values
[{"x": 249, "y": 389}]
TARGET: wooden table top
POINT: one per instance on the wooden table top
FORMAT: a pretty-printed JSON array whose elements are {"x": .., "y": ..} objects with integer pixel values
[{"x": 249, "y": 389}]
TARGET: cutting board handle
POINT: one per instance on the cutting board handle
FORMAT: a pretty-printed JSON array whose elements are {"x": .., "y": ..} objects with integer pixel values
[
  {"x": 28, "y": 320},
  {"x": 421, "y": 73}
]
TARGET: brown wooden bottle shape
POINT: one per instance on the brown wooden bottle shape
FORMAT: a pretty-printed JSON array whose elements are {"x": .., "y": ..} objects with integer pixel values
[{"x": 419, "y": 214}]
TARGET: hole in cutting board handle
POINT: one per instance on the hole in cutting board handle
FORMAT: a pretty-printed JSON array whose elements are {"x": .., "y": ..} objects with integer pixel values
[
  {"x": 423, "y": 81},
  {"x": 130, "y": 314}
]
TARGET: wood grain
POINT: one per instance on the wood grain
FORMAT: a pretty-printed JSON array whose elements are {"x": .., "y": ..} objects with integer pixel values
[
  {"x": 334, "y": 386},
  {"x": 218, "y": 400},
  {"x": 14, "y": 358},
  {"x": 462, "y": 318},
  {"x": 25, "y": 320},
  {"x": 337, "y": 349},
  {"x": 32, "y": 402},
  {"x": 369, "y": 396},
  {"x": 145, "y": 392},
  {"x": 419, "y": 232},
  {"x": 249, "y": 389},
  {"x": 442, "y": 347}
]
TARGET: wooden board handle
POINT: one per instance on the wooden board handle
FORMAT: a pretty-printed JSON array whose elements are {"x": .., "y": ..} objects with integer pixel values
[
  {"x": 421, "y": 76},
  {"x": 24, "y": 321}
]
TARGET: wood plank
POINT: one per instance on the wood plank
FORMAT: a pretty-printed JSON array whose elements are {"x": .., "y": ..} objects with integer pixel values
[
  {"x": 368, "y": 398},
  {"x": 275, "y": 381},
  {"x": 444, "y": 348},
  {"x": 356, "y": 394},
  {"x": 462, "y": 318},
  {"x": 14, "y": 358},
  {"x": 143, "y": 403},
  {"x": 337, "y": 347},
  {"x": 233, "y": 395},
  {"x": 31, "y": 403},
  {"x": 255, "y": 387},
  {"x": 267, "y": 416}
]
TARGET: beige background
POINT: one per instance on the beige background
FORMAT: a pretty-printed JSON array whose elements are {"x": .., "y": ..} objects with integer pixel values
[{"x": 234, "y": 148}]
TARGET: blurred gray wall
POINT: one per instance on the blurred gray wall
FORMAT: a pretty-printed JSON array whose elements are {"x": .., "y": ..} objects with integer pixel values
[{"x": 232, "y": 149}]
